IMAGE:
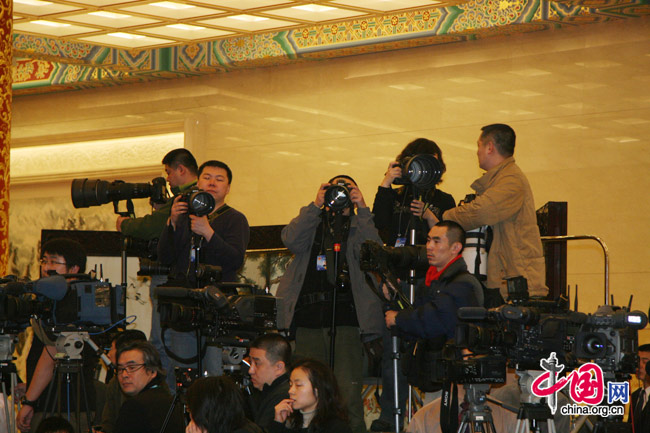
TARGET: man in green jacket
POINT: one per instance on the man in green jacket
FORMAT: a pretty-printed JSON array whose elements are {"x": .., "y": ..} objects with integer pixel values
[
  {"x": 182, "y": 172},
  {"x": 504, "y": 202},
  {"x": 181, "y": 169}
]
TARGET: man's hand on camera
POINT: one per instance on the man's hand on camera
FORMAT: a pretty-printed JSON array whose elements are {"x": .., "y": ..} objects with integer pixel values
[
  {"x": 118, "y": 223},
  {"x": 179, "y": 208},
  {"x": 201, "y": 226},
  {"x": 320, "y": 195},
  {"x": 356, "y": 197},
  {"x": 420, "y": 210},
  {"x": 389, "y": 316},
  {"x": 394, "y": 171}
]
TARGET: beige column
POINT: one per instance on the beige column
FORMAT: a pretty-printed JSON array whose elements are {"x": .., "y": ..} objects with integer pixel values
[{"x": 6, "y": 25}]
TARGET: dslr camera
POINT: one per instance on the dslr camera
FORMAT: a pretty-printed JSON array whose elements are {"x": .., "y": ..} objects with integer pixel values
[
  {"x": 199, "y": 203},
  {"x": 423, "y": 171},
  {"x": 337, "y": 196}
]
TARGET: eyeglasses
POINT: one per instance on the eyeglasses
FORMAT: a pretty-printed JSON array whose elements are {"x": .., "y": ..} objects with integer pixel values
[
  {"x": 131, "y": 368},
  {"x": 51, "y": 262}
]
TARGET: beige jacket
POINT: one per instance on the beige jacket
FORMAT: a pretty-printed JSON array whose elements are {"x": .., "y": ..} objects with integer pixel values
[{"x": 505, "y": 202}]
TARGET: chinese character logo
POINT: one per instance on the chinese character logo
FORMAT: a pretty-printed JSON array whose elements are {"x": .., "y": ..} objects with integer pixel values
[{"x": 587, "y": 384}]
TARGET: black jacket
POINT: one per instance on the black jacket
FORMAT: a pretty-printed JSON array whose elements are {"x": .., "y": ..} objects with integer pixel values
[
  {"x": 334, "y": 425},
  {"x": 393, "y": 217},
  {"x": 641, "y": 421},
  {"x": 145, "y": 412},
  {"x": 435, "y": 307},
  {"x": 262, "y": 403}
]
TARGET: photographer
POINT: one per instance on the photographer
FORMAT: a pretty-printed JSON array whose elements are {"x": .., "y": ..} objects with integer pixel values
[
  {"x": 448, "y": 286},
  {"x": 218, "y": 239},
  {"x": 306, "y": 290},
  {"x": 504, "y": 202},
  {"x": 59, "y": 256},
  {"x": 181, "y": 169},
  {"x": 397, "y": 211}
]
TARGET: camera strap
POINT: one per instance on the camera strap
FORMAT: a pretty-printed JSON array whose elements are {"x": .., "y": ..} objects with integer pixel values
[{"x": 449, "y": 407}]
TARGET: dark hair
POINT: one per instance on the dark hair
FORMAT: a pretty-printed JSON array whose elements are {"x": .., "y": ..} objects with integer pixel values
[
  {"x": 219, "y": 164},
  {"x": 455, "y": 232},
  {"x": 216, "y": 404},
  {"x": 420, "y": 146},
  {"x": 644, "y": 347},
  {"x": 127, "y": 337},
  {"x": 503, "y": 137},
  {"x": 150, "y": 355},
  {"x": 72, "y": 251},
  {"x": 344, "y": 176},
  {"x": 277, "y": 348},
  {"x": 183, "y": 157},
  {"x": 330, "y": 402},
  {"x": 54, "y": 424}
]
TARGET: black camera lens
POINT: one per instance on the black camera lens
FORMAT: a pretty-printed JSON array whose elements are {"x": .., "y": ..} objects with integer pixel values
[
  {"x": 86, "y": 192},
  {"x": 200, "y": 203},
  {"x": 337, "y": 197},
  {"x": 422, "y": 171}
]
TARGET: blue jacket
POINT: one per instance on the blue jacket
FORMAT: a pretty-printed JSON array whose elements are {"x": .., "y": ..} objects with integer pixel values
[{"x": 434, "y": 310}]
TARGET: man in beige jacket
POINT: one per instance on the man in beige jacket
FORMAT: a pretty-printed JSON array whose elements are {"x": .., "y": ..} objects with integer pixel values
[{"x": 504, "y": 202}]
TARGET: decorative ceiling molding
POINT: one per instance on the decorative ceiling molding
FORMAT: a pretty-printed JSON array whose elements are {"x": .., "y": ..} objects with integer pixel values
[{"x": 44, "y": 65}]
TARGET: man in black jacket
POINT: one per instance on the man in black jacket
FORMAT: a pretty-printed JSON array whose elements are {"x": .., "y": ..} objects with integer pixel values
[
  {"x": 141, "y": 377},
  {"x": 448, "y": 287},
  {"x": 639, "y": 407},
  {"x": 269, "y": 362}
]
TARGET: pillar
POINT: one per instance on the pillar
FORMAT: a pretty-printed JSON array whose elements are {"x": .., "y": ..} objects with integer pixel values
[{"x": 6, "y": 25}]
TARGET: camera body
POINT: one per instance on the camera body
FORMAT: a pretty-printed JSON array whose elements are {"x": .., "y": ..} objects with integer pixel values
[
  {"x": 199, "y": 203},
  {"x": 423, "y": 171},
  {"x": 86, "y": 303},
  {"x": 337, "y": 196},
  {"x": 527, "y": 330},
  {"x": 217, "y": 315}
]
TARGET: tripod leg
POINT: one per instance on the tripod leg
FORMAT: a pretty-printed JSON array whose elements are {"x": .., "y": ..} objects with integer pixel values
[
  {"x": 396, "y": 409},
  {"x": 82, "y": 379}
]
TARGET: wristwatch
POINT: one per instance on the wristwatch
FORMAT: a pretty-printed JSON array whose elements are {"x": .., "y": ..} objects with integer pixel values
[{"x": 26, "y": 402}]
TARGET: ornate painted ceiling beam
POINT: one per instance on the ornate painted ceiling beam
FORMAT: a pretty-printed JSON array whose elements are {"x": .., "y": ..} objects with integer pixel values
[{"x": 45, "y": 65}]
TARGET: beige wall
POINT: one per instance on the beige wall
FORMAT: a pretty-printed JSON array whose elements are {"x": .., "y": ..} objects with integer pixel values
[{"x": 578, "y": 99}]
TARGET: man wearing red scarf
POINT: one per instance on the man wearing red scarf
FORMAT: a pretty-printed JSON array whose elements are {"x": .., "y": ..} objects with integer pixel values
[{"x": 448, "y": 287}]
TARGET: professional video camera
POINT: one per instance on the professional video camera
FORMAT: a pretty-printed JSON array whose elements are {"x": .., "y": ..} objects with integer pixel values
[
  {"x": 388, "y": 262},
  {"x": 218, "y": 316},
  {"x": 528, "y": 330},
  {"x": 86, "y": 193},
  {"x": 199, "y": 203},
  {"x": 378, "y": 258},
  {"x": 337, "y": 196},
  {"x": 85, "y": 303},
  {"x": 422, "y": 171}
]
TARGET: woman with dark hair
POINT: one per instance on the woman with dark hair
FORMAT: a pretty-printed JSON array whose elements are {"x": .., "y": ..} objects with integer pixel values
[
  {"x": 314, "y": 404},
  {"x": 398, "y": 210},
  {"x": 216, "y": 405}
]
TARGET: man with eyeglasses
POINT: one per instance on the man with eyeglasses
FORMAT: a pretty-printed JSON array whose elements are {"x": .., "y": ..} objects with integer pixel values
[
  {"x": 59, "y": 256},
  {"x": 141, "y": 377}
]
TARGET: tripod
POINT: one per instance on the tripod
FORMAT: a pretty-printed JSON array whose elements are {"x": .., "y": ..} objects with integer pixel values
[
  {"x": 8, "y": 369},
  {"x": 68, "y": 364},
  {"x": 478, "y": 416},
  {"x": 531, "y": 409}
]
